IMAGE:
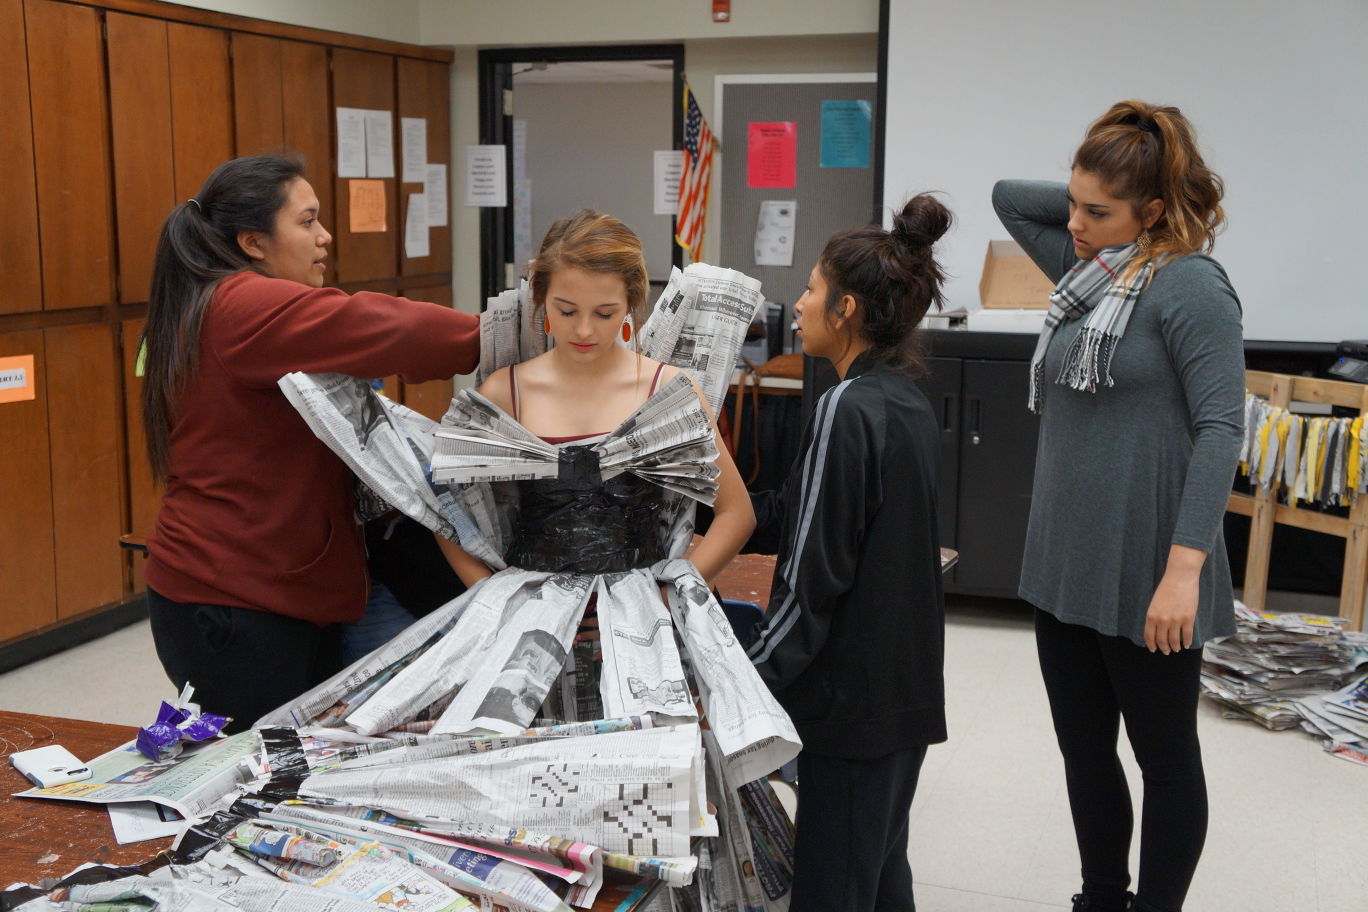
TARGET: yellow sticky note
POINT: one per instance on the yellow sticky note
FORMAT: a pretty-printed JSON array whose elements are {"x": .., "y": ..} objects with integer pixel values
[
  {"x": 367, "y": 199},
  {"x": 16, "y": 378}
]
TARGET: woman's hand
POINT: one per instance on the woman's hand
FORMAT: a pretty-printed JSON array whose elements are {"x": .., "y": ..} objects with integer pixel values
[{"x": 1173, "y": 608}]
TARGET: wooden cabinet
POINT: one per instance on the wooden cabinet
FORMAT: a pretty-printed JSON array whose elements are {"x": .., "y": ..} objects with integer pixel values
[
  {"x": 19, "y": 262},
  {"x": 70, "y": 118},
  {"x": 144, "y": 163},
  {"x": 365, "y": 80},
  {"x": 28, "y": 572},
  {"x": 201, "y": 103}
]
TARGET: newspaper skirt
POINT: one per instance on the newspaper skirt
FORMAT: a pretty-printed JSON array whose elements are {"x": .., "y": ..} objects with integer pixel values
[{"x": 502, "y": 656}]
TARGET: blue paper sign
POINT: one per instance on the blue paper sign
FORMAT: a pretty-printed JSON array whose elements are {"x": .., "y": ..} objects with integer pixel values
[{"x": 845, "y": 134}]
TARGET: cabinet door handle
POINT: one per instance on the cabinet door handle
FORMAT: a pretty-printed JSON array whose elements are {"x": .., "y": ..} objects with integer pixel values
[
  {"x": 949, "y": 410},
  {"x": 975, "y": 419}
]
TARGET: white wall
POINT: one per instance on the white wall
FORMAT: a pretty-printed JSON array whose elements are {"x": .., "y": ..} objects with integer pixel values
[
  {"x": 589, "y": 145},
  {"x": 980, "y": 90},
  {"x": 490, "y": 23},
  {"x": 393, "y": 20}
]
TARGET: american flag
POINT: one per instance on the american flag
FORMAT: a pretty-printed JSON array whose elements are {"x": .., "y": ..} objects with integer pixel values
[{"x": 695, "y": 179}]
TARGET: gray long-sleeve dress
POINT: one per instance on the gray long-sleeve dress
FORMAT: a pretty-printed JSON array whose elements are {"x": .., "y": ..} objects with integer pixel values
[{"x": 1125, "y": 472}]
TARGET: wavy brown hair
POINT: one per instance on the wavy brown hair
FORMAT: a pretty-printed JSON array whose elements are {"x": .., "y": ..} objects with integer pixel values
[
  {"x": 596, "y": 243},
  {"x": 1144, "y": 152}
]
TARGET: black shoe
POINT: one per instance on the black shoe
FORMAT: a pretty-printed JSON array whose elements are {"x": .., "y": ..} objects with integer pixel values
[{"x": 1094, "y": 902}]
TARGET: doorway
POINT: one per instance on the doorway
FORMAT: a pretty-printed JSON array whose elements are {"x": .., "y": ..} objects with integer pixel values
[{"x": 579, "y": 127}]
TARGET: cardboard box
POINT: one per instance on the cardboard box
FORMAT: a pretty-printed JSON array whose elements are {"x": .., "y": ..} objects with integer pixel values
[{"x": 1011, "y": 281}]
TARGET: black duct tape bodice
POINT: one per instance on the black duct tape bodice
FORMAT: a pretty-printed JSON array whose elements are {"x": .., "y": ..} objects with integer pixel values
[{"x": 579, "y": 523}]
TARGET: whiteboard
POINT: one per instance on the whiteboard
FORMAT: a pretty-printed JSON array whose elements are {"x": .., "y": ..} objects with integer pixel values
[{"x": 1278, "y": 91}]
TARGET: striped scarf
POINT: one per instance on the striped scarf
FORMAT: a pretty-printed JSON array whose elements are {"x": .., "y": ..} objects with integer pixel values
[{"x": 1093, "y": 288}]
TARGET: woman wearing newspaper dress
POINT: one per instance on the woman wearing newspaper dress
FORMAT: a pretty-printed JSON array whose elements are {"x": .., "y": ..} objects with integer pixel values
[
  {"x": 1139, "y": 381},
  {"x": 853, "y": 641},
  {"x": 256, "y": 557},
  {"x": 569, "y": 480}
]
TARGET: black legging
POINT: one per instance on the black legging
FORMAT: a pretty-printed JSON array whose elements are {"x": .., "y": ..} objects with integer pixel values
[
  {"x": 243, "y": 663},
  {"x": 1092, "y": 682}
]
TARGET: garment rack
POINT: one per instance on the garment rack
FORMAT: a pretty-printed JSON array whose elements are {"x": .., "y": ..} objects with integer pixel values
[{"x": 1264, "y": 510}]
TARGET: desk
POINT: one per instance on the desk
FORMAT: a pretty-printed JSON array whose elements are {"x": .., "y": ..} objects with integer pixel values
[{"x": 41, "y": 838}]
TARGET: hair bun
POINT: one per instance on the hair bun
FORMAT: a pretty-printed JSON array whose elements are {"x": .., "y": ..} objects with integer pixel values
[{"x": 923, "y": 221}]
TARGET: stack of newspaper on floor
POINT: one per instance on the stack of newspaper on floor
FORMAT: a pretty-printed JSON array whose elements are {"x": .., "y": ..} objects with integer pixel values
[{"x": 1294, "y": 671}]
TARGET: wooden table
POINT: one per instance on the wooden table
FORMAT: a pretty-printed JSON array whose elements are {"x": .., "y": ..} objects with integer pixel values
[{"x": 41, "y": 838}]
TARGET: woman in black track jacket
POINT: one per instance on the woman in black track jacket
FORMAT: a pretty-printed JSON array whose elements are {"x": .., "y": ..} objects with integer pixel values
[{"x": 853, "y": 641}]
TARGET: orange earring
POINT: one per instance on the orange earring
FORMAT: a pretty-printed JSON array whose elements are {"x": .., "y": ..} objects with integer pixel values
[
  {"x": 626, "y": 331},
  {"x": 546, "y": 324}
]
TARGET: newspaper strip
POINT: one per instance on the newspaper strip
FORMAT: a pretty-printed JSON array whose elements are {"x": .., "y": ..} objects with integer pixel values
[
  {"x": 388, "y": 447},
  {"x": 191, "y": 784},
  {"x": 752, "y": 729},
  {"x": 699, "y": 323},
  {"x": 464, "y": 868},
  {"x": 345, "y": 690},
  {"x": 446, "y": 666},
  {"x": 626, "y": 791}
]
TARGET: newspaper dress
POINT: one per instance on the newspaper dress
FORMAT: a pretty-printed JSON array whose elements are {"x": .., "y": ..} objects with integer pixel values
[{"x": 593, "y": 529}]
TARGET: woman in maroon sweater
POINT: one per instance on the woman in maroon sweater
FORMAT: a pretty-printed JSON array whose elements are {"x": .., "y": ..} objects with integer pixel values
[{"x": 256, "y": 555}]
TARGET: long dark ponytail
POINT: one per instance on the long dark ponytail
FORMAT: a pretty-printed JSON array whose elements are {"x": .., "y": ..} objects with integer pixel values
[
  {"x": 894, "y": 278},
  {"x": 198, "y": 247}
]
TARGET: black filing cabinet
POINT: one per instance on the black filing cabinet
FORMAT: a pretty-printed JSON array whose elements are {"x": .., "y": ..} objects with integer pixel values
[{"x": 987, "y": 459}]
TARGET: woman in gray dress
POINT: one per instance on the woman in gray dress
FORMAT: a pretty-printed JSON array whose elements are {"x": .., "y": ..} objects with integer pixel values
[{"x": 1139, "y": 381}]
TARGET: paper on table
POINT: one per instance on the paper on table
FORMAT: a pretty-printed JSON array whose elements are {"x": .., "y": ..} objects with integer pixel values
[
  {"x": 416, "y": 227},
  {"x": 367, "y": 206},
  {"x": 669, "y": 165},
  {"x": 143, "y": 820},
  {"x": 774, "y": 232},
  {"x": 435, "y": 190},
  {"x": 351, "y": 142},
  {"x": 414, "y": 130},
  {"x": 379, "y": 144}
]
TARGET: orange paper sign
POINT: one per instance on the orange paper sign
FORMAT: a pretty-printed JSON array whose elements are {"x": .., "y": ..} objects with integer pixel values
[
  {"x": 16, "y": 378},
  {"x": 367, "y": 205}
]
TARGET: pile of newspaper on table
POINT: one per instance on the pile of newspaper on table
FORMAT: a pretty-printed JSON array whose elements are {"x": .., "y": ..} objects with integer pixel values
[
  {"x": 1294, "y": 671},
  {"x": 422, "y": 778}
]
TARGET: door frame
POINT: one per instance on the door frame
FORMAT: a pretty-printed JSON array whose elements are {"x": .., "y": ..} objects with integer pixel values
[{"x": 496, "y": 128}]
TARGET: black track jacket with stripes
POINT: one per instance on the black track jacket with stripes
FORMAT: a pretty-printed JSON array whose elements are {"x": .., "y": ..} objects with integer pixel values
[{"x": 853, "y": 641}]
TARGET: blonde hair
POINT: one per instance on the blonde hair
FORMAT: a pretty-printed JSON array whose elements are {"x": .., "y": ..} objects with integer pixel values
[
  {"x": 596, "y": 243},
  {"x": 1144, "y": 152}
]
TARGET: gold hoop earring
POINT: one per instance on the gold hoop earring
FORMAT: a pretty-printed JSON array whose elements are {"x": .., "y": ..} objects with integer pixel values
[{"x": 1143, "y": 241}]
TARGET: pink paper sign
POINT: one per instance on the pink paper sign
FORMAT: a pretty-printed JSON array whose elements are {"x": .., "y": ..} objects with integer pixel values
[{"x": 772, "y": 155}]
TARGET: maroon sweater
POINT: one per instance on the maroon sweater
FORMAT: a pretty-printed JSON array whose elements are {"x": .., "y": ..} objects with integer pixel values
[{"x": 258, "y": 513}]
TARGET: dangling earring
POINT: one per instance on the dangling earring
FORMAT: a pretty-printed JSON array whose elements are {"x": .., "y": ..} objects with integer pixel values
[
  {"x": 626, "y": 331},
  {"x": 1143, "y": 241},
  {"x": 546, "y": 324}
]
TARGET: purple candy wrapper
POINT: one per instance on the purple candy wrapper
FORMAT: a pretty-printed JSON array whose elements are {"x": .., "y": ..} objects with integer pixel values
[{"x": 162, "y": 739}]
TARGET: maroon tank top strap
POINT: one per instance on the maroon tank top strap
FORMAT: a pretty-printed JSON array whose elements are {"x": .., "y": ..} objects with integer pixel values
[{"x": 655, "y": 379}]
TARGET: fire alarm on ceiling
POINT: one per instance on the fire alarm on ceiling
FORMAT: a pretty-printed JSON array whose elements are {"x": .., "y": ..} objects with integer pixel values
[{"x": 721, "y": 10}]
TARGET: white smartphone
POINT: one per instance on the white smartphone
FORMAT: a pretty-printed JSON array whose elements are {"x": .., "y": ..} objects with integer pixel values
[{"x": 50, "y": 765}]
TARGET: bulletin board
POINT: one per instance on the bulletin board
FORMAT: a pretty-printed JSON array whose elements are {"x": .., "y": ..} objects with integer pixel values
[{"x": 829, "y": 198}]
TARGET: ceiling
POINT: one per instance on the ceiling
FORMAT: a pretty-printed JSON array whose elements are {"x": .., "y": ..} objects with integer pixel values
[{"x": 625, "y": 71}]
